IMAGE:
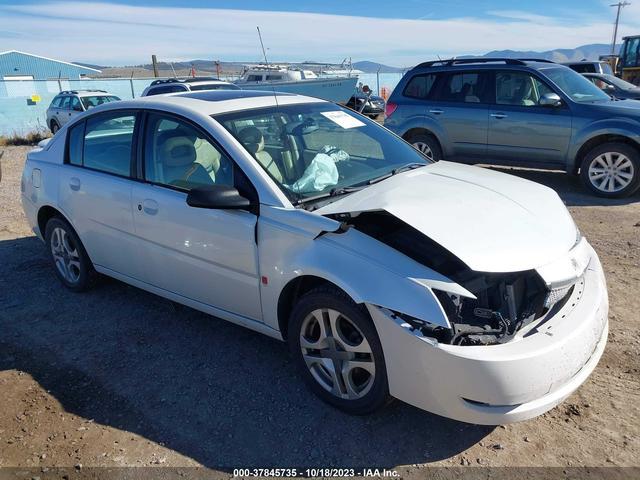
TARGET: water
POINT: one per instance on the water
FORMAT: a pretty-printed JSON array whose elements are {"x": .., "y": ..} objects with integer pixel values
[{"x": 22, "y": 112}]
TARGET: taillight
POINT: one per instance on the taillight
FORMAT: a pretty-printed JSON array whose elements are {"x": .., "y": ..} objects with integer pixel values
[{"x": 389, "y": 109}]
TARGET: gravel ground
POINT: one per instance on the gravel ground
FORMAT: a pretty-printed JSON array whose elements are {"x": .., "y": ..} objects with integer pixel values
[{"x": 120, "y": 377}]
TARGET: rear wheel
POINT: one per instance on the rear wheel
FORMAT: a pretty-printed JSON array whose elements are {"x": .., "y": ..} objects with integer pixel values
[
  {"x": 427, "y": 145},
  {"x": 338, "y": 351},
  {"x": 54, "y": 127},
  {"x": 69, "y": 258},
  {"x": 611, "y": 170}
]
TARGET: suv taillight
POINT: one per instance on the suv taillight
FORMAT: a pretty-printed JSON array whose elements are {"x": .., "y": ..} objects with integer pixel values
[{"x": 389, "y": 109}]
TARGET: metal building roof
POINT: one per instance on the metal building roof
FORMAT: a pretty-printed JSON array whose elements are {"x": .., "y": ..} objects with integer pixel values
[{"x": 21, "y": 64}]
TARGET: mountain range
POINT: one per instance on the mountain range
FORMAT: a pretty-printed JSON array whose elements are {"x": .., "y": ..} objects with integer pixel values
[{"x": 584, "y": 52}]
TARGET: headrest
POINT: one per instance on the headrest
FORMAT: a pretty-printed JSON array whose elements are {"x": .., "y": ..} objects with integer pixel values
[
  {"x": 177, "y": 151},
  {"x": 252, "y": 139}
]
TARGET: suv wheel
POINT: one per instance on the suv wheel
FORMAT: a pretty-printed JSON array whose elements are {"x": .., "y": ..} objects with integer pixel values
[
  {"x": 338, "y": 351},
  {"x": 611, "y": 170},
  {"x": 427, "y": 145},
  {"x": 70, "y": 260},
  {"x": 54, "y": 127}
]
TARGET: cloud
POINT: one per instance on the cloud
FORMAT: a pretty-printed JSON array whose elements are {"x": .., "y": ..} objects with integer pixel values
[{"x": 119, "y": 34}]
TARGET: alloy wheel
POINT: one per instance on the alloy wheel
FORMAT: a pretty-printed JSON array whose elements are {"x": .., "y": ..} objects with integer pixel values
[
  {"x": 611, "y": 172},
  {"x": 424, "y": 148},
  {"x": 65, "y": 255},
  {"x": 337, "y": 354}
]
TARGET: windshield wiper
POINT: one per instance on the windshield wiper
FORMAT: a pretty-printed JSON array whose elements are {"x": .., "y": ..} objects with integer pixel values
[
  {"x": 395, "y": 171},
  {"x": 335, "y": 192}
]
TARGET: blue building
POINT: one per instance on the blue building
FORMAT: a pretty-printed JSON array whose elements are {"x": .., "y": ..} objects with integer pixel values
[{"x": 16, "y": 65}]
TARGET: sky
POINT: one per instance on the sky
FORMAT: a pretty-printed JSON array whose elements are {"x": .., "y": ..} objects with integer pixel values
[{"x": 397, "y": 33}]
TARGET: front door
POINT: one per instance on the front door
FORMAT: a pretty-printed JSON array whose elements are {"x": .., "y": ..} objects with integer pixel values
[
  {"x": 201, "y": 254},
  {"x": 520, "y": 129}
]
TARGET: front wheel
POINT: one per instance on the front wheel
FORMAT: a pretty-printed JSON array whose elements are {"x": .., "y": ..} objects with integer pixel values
[
  {"x": 427, "y": 145},
  {"x": 338, "y": 352},
  {"x": 611, "y": 170}
]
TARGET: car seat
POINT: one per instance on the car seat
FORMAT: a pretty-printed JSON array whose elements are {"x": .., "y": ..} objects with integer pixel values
[
  {"x": 253, "y": 141},
  {"x": 177, "y": 154}
]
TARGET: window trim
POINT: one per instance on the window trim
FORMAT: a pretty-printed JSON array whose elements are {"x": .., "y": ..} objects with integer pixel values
[
  {"x": 110, "y": 113},
  {"x": 140, "y": 167},
  {"x": 438, "y": 76},
  {"x": 540, "y": 78}
]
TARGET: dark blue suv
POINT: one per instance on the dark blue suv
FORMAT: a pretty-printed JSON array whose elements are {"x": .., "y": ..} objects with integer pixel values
[{"x": 529, "y": 113}]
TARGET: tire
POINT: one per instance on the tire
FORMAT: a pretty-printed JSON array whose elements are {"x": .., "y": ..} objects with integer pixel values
[
  {"x": 359, "y": 390},
  {"x": 68, "y": 256},
  {"x": 54, "y": 127},
  {"x": 427, "y": 145},
  {"x": 611, "y": 170}
]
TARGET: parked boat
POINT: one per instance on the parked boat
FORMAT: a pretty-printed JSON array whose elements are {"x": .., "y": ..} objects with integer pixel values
[{"x": 284, "y": 78}]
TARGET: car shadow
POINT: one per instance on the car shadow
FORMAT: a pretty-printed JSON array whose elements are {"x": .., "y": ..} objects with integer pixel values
[
  {"x": 217, "y": 393},
  {"x": 568, "y": 187}
]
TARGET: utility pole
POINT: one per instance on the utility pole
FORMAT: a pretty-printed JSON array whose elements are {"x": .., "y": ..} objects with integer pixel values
[{"x": 620, "y": 5}]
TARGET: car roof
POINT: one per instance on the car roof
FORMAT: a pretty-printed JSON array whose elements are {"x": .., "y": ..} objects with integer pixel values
[
  {"x": 212, "y": 102},
  {"x": 485, "y": 63},
  {"x": 85, "y": 92}
]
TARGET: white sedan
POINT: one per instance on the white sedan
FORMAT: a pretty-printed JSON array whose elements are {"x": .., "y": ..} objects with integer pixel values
[{"x": 459, "y": 290}]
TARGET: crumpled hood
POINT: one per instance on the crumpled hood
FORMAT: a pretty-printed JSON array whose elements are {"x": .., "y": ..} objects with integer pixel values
[{"x": 492, "y": 221}]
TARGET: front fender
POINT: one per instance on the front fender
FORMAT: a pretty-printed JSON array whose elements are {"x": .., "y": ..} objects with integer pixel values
[{"x": 367, "y": 270}]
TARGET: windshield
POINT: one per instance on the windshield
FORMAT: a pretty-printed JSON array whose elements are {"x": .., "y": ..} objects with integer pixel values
[
  {"x": 319, "y": 148},
  {"x": 214, "y": 86},
  {"x": 618, "y": 82},
  {"x": 574, "y": 85},
  {"x": 95, "y": 100}
]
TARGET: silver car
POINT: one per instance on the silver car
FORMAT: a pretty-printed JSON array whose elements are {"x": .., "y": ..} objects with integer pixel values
[
  {"x": 69, "y": 103},
  {"x": 312, "y": 224}
]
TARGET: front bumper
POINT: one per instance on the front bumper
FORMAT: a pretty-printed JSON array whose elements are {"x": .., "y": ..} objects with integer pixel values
[{"x": 505, "y": 383}]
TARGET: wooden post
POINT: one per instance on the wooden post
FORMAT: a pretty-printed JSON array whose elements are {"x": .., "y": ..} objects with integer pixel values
[
  {"x": 133, "y": 93},
  {"x": 154, "y": 61}
]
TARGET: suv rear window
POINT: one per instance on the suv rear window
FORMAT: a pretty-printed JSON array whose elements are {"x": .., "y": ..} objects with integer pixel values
[
  {"x": 465, "y": 88},
  {"x": 420, "y": 86}
]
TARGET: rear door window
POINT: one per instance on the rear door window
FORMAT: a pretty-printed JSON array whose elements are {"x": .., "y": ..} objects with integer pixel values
[
  {"x": 467, "y": 87},
  {"x": 108, "y": 143},
  {"x": 420, "y": 86},
  {"x": 75, "y": 104},
  {"x": 65, "y": 103}
]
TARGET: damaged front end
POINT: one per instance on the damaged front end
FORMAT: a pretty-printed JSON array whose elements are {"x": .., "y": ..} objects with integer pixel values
[{"x": 504, "y": 303}]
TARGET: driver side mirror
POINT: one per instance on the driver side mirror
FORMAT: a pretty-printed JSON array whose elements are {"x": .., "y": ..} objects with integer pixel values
[
  {"x": 223, "y": 197},
  {"x": 550, "y": 100}
]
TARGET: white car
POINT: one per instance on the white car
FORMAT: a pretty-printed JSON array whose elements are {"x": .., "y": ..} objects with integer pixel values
[
  {"x": 465, "y": 292},
  {"x": 193, "y": 84}
]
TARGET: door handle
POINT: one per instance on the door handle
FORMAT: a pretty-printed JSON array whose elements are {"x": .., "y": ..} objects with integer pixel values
[
  {"x": 74, "y": 183},
  {"x": 436, "y": 111},
  {"x": 149, "y": 206},
  {"x": 499, "y": 115}
]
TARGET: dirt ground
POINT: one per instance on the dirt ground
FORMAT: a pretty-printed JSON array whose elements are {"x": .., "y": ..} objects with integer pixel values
[{"x": 120, "y": 377}]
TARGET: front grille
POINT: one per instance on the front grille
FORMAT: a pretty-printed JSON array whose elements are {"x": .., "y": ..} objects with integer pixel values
[{"x": 557, "y": 294}]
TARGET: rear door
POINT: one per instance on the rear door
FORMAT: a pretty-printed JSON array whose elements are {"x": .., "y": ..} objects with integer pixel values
[
  {"x": 521, "y": 131},
  {"x": 206, "y": 255},
  {"x": 460, "y": 107},
  {"x": 95, "y": 188},
  {"x": 62, "y": 113}
]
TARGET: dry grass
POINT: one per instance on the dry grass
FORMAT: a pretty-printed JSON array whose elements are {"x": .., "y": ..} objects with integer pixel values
[{"x": 31, "y": 138}]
